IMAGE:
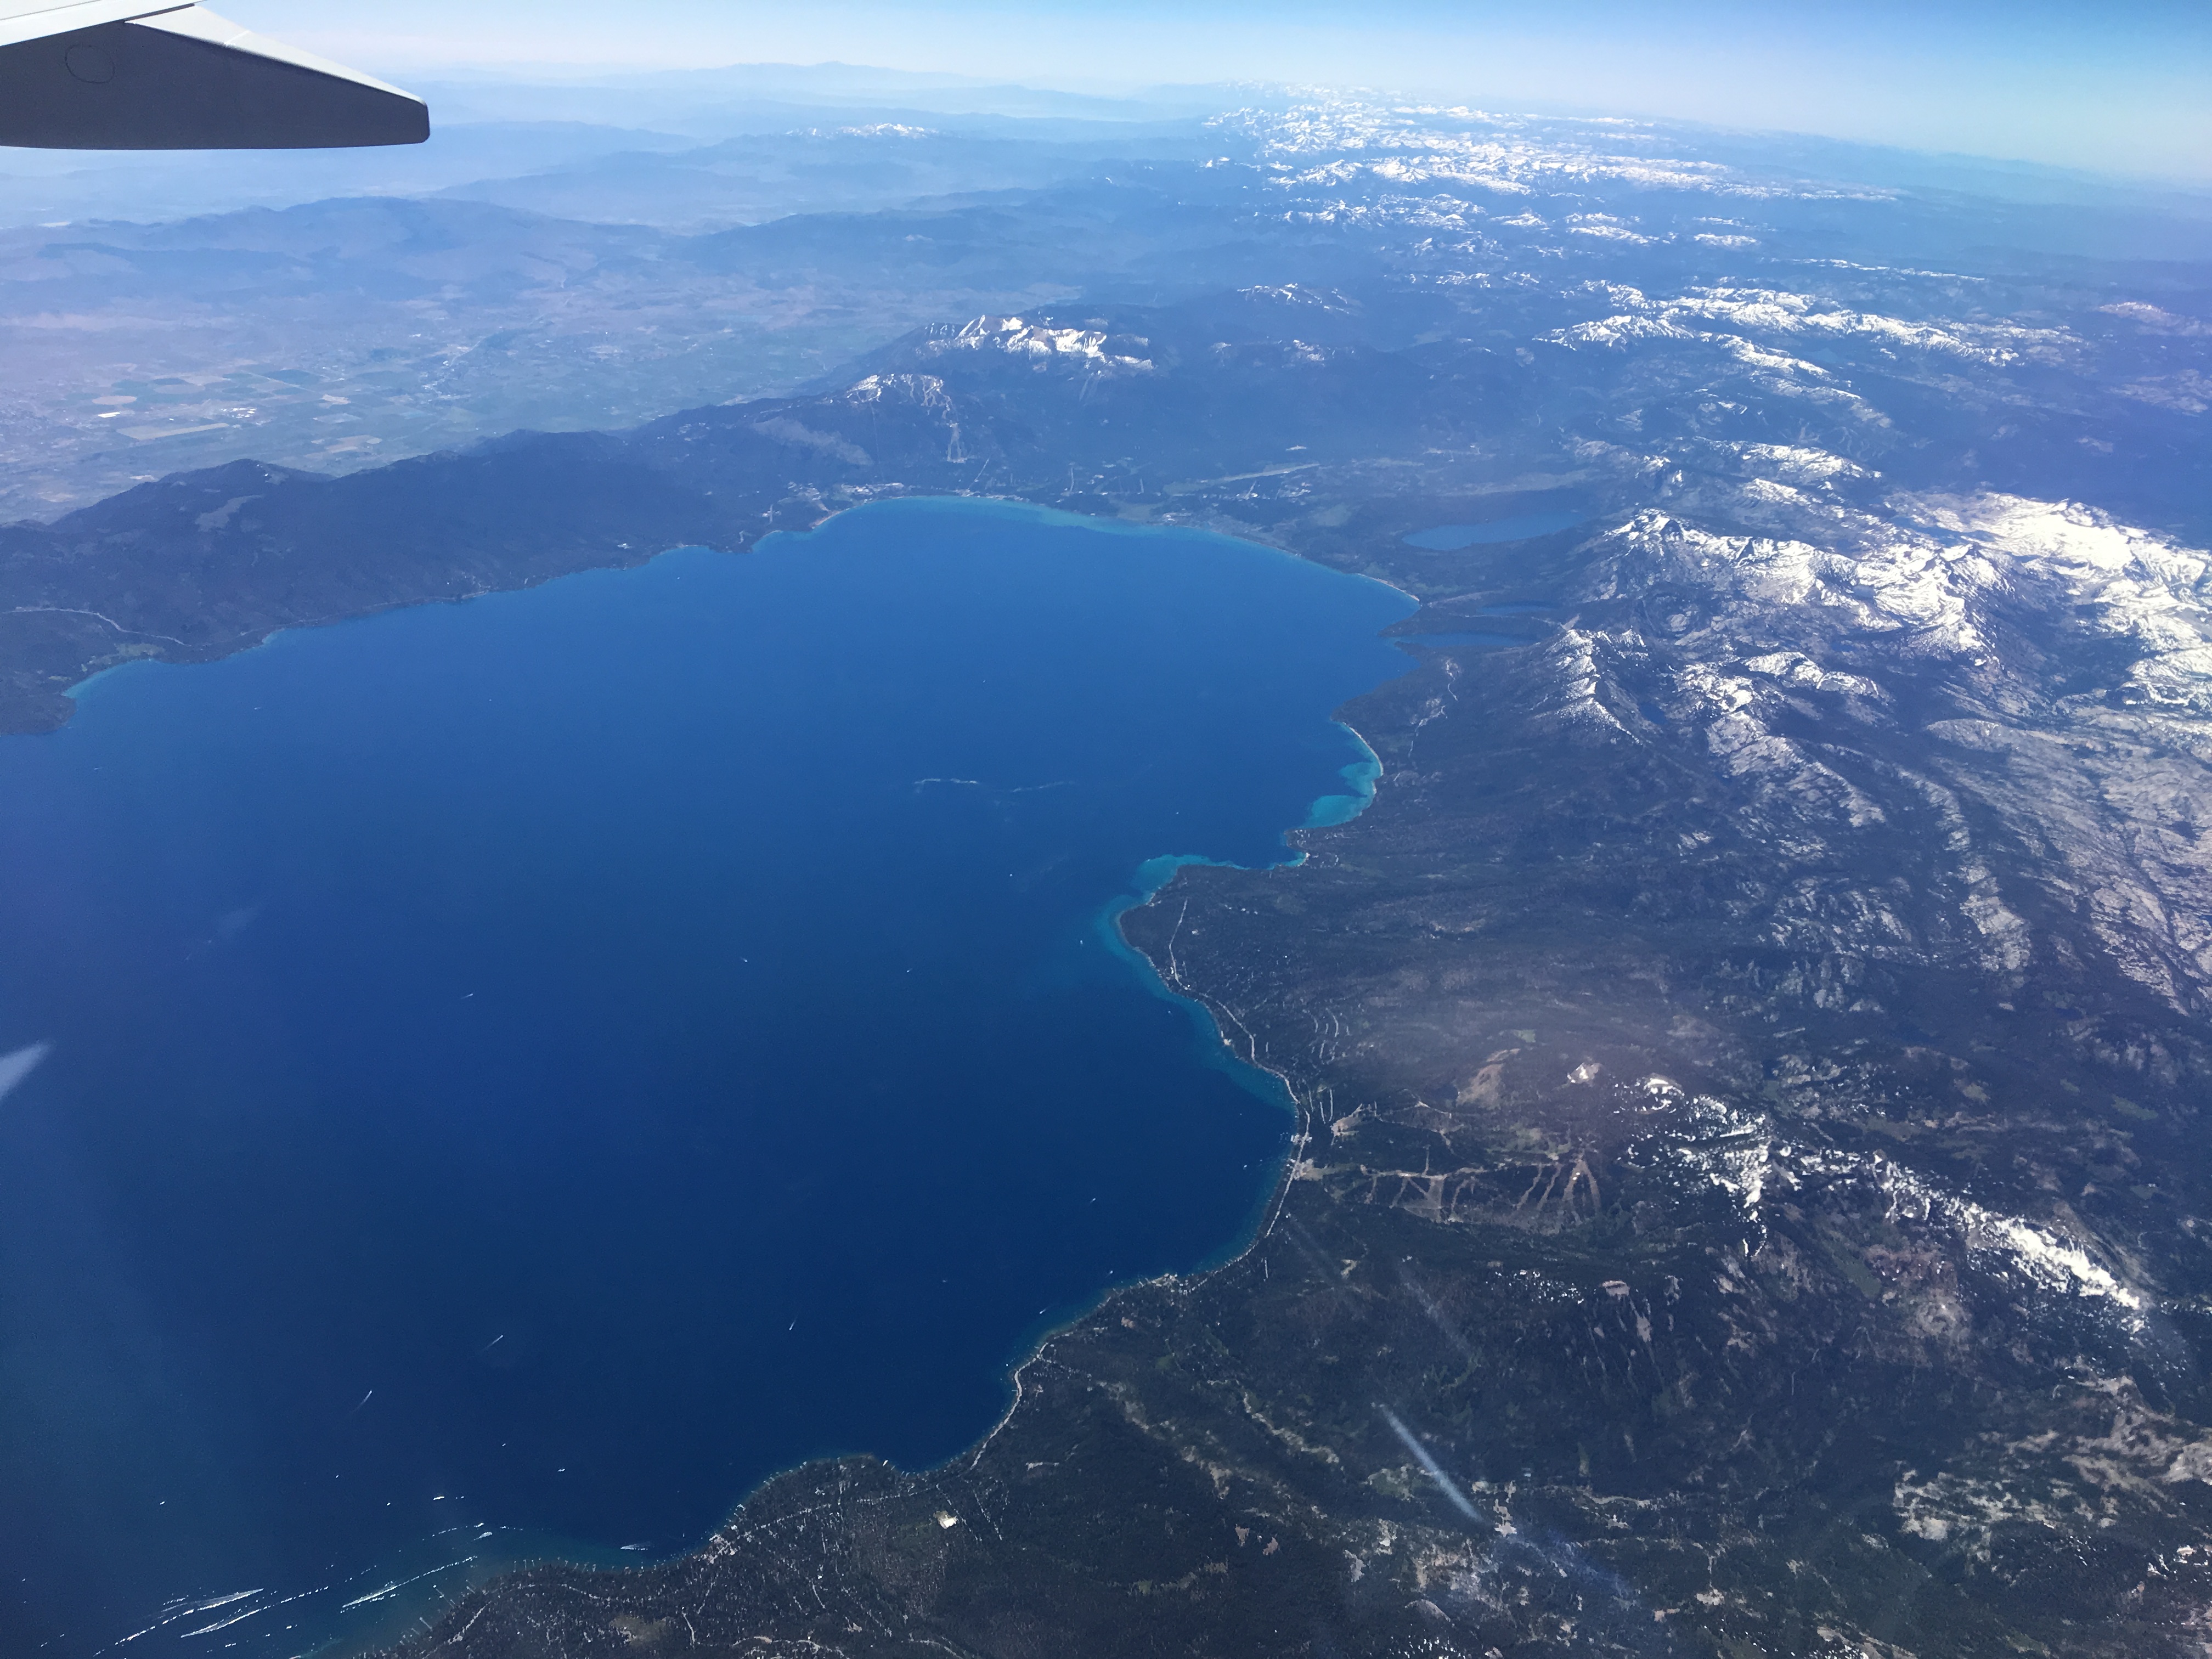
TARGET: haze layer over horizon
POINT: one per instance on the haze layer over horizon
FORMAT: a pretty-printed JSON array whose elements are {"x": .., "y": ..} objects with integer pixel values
[{"x": 2058, "y": 83}]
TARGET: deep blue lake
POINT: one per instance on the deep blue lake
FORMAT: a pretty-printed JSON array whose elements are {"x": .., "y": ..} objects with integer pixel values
[{"x": 525, "y": 1070}]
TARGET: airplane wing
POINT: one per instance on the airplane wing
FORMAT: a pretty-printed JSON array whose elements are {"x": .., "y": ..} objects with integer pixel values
[{"x": 147, "y": 75}]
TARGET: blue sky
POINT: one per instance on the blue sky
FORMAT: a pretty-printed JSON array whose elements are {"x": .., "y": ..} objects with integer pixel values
[{"x": 2123, "y": 87}]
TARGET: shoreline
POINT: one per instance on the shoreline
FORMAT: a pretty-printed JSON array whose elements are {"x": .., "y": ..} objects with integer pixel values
[
  {"x": 1216, "y": 1041},
  {"x": 1267, "y": 1212},
  {"x": 1270, "y": 1206},
  {"x": 1054, "y": 517},
  {"x": 1221, "y": 1051}
]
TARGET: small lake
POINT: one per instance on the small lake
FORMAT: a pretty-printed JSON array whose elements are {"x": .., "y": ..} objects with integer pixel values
[
  {"x": 1451, "y": 537},
  {"x": 525, "y": 1070},
  {"x": 1468, "y": 641}
]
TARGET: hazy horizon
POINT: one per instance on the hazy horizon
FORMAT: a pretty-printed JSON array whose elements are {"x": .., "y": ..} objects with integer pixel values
[{"x": 2058, "y": 84}]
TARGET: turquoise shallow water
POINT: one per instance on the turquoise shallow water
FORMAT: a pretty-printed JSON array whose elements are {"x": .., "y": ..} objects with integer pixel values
[{"x": 525, "y": 1070}]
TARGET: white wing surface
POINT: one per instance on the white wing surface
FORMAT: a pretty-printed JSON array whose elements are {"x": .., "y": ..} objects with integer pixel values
[{"x": 143, "y": 74}]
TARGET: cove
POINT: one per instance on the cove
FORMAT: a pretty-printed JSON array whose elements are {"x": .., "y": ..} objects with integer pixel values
[{"x": 524, "y": 1071}]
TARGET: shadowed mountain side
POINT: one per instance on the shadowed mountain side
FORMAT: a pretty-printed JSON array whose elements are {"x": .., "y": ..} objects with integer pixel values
[{"x": 205, "y": 564}]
